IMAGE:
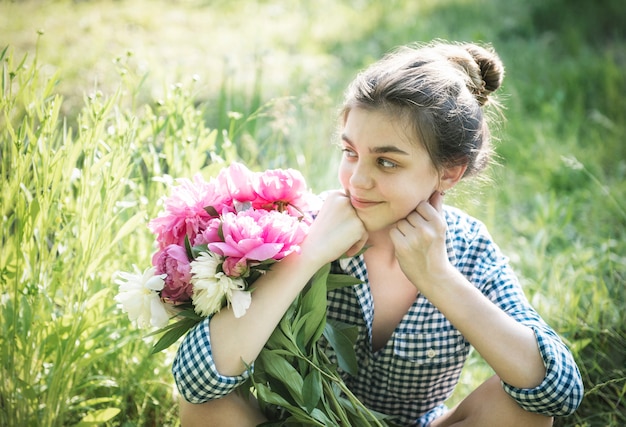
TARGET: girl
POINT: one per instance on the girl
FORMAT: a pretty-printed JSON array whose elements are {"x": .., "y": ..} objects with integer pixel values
[{"x": 434, "y": 282}]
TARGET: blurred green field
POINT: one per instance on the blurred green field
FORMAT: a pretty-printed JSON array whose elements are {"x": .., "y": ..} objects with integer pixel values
[{"x": 101, "y": 97}]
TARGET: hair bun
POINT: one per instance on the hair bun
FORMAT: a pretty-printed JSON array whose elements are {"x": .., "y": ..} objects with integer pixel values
[{"x": 491, "y": 71}]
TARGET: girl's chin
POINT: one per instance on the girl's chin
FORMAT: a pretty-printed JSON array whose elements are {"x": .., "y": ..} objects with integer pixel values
[
  {"x": 372, "y": 225},
  {"x": 377, "y": 221}
]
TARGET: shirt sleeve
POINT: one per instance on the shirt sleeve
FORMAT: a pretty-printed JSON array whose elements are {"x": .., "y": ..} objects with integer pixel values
[
  {"x": 194, "y": 370},
  {"x": 561, "y": 390}
]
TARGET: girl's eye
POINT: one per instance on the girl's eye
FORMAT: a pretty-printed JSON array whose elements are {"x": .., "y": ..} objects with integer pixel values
[
  {"x": 387, "y": 164},
  {"x": 348, "y": 152}
]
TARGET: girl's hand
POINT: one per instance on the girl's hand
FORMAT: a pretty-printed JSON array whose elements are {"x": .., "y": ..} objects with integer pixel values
[
  {"x": 420, "y": 242},
  {"x": 337, "y": 230}
]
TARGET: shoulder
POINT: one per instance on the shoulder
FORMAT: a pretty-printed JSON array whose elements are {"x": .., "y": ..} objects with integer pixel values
[
  {"x": 470, "y": 244},
  {"x": 463, "y": 227}
]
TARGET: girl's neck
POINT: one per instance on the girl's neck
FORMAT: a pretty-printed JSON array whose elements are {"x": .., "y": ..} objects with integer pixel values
[{"x": 380, "y": 243}]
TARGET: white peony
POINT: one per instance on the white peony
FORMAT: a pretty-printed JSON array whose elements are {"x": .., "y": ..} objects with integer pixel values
[
  {"x": 211, "y": 289},
  {"x": 240, "y": 301},
  {"x": 140, "y": 299}
]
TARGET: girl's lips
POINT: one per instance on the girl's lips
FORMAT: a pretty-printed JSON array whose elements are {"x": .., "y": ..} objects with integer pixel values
[{"x": 361, "y": 203}]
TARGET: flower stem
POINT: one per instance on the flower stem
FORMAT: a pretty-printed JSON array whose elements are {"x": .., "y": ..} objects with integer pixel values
[
  {"x": 339, "y": 410},
  {"x": 342, "y": 386}
]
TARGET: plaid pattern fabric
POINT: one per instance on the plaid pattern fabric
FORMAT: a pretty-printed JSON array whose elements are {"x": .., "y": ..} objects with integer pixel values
[
  {"x": 195, "y": 373},
  {"x": 416, "y": 371}
]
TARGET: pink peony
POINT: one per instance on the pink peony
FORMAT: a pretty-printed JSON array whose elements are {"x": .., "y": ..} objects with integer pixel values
[
  {"x": 237, "y": 181},
  {"x": 173, "y": 261},
  {"x": 279, "y": 185},
  {"x": 284, "y": 190},
  {"x": 209, "y": 234},
  {"x": 258, "y": 235},
  {"x": 285, "y": 229},
  {"x": 184, "y": 211}
]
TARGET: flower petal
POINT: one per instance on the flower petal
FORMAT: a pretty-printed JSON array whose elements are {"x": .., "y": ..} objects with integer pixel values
[
  {"x": 240, "y": 302},
  {"x": 264, "y": 252},
  {"x": 156, "y": 282},
  {"x": 158, "y": 314}
]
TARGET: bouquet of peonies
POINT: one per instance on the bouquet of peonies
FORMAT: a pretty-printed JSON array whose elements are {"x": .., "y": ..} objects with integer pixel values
[{"x": 215, "y": 238}]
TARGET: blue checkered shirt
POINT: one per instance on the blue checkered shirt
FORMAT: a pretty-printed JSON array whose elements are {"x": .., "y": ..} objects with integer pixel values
[{"x": 416, "y": 371}]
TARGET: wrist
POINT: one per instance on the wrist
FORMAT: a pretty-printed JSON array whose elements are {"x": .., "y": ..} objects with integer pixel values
[
  {"x": 439, "y": 279},
  {"x": 303, "y": 264},
  {"x": 313, "y": 256}
]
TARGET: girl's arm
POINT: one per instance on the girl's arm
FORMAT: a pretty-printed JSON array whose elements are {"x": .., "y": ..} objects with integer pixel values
[
  {"x": 335, "y": 231},
  {"x": 507, "y": 345}
]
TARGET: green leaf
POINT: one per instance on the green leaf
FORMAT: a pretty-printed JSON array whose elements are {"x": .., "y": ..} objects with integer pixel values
[
  {"x": 187, "y": 311},
  {"x": 33, "y": 208},
  {"x": 357, "y": 414},
  {"x": 285, "y": 353},
  {"x": 319, "y": 415},
  {"x": 174, "y": 332},
  {"x": 265, "y": 394},
  {"x": 169, "y": 327},
  {"x": 313, "y": 305},
  {"x": 211, "y": 211},
  {"x": 336, "y": 281},
  {"x": 197, "y": 250},
  {"x": 342, "y": 338},
  {"x": 280, "y": 340},
  {"x": 98, "y": 417},
  {"x": 297, "y": 328},
  {"x": 276, "y": 366},
  {"x": 189, "y": 249},
  {"x": 272, "y": 424},
  {"x": 128, "y": 227},
  {"x": 308, "y": 328},
  {"x": 312, "y": 390},
  {"x": 26, "y": 389}
]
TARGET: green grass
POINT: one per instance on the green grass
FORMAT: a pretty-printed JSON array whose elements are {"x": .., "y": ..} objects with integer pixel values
[{"x": 114, "y": 99}]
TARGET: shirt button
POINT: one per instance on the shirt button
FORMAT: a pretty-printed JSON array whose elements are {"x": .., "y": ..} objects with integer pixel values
[{"x": 431, "y": 353}]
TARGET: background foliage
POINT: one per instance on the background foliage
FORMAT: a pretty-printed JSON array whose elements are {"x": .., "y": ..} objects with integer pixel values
[{"x": 104, "y": 102}]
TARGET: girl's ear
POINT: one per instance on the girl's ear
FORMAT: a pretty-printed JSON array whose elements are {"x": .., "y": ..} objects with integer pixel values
[{"x": 450, "y": 176}]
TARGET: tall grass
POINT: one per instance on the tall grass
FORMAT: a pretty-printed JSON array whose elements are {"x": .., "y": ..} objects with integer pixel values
[
  {"x": 74, "y": 208},
  {"x": 82, "y": 170}
]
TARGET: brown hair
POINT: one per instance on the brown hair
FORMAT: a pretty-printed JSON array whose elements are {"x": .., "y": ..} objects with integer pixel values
[{"x": 441, "y": 89}]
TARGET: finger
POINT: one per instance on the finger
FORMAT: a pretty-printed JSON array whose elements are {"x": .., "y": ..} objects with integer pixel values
[
  {"x": 427, "y": 210},
  {"x": 414, "y": 219},
  {"x": 396, "y": 236},
  {"x": 398, "y": 228},
  {"x": 409, "y": 224},
  {"x": 436, "y": 200}
]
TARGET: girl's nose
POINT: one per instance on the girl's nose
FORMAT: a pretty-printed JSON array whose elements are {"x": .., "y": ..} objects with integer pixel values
[{"x": 361, "y": 178}]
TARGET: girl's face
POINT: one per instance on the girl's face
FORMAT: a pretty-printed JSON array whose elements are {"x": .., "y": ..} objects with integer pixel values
[{"x": 385, "y": 172}]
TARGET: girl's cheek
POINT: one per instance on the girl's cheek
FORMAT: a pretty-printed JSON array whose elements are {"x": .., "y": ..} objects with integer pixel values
[{"x": 343, "y": 175}]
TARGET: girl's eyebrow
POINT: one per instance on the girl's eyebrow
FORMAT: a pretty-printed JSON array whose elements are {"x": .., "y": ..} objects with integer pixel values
[{"x": 378, "y": 150}]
